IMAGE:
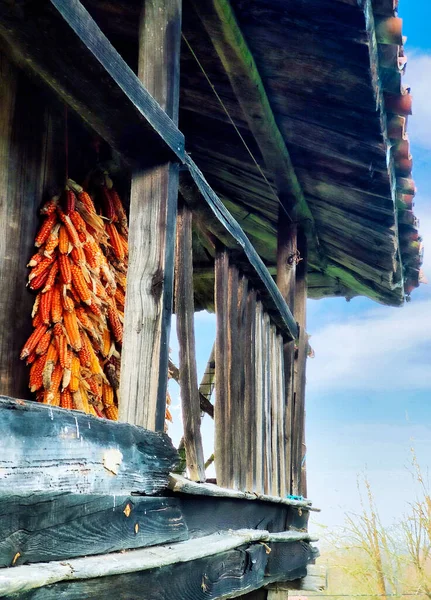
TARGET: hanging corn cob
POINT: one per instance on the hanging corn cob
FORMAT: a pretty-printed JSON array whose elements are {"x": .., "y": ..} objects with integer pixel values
[{"x": 79, "y": 274}]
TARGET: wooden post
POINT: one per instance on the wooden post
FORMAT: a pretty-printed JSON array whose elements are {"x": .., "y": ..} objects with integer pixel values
[
  {"x": 184, "y": 306},
  {"x": 260, "y": 439},
  {"x": 299, "y": 473},
  {"x": 286, "y": 268},
  {"x": 248, "y": 480},
  {"x": 153, "y": 205}
]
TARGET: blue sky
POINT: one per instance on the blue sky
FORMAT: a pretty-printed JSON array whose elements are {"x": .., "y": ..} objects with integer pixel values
[{"x": 369, "y": 385}]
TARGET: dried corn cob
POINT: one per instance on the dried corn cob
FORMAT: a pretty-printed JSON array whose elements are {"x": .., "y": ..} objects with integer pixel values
[
  {"x": 35, "y": 259},
  {"x": 51, "y": 277},
  {"x": 115, "y": 323},
  {"x": 33, "y": 341},
  {"x": 71, "y": 325},
  {"x": 44, "y": 342},
  {"x": 80, "y": 285},
  {"x": 45, "y": 230},
  {"x": 45, "y": 307},
  {"x": 115, "y": 241},
  {"x": 36, "y": 381},
  {"x": 63, "y": 240},
  {"x": 39, "y": 269},
  {"x": 52, "y": 241},
  {"x": 56, "y": 305},
  {"x": 66, "y": 274},
  {"x": 75, "y": 374},
  {"x": 50, "y": 207},
  {"x": 66, "y": 399},
  {"x": 111, "y": 412},
  {"x": 69, "y": 201}
]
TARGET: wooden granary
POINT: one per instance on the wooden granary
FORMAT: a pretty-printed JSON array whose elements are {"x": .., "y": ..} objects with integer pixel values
[{"x": 261, "y": 149}]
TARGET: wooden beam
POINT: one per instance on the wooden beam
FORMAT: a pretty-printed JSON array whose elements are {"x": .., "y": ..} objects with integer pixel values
[
  {"x": 52, "y": 526},
  {"x": 286, "y": 270},
  {"x": 185, "y": 312},
  {"x": 153, "y": 207},
  {"x": 52, "y": 449},
  {"x": 299, "y": 483},
  {"x": 314, "y": 581},
  {"x": 62, "y": 44},
  {"x": 221, "y": 25},
  {"x": 204, "y": 403},
  {"x": 279, "y": 310}
]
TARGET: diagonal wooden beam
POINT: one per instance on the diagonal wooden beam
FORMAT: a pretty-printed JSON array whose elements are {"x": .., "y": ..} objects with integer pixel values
[{"x": 221, "y": 25}]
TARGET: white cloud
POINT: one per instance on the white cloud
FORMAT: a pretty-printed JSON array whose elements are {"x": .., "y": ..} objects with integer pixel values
[
  {"x": 385, "y": 349},
  {"x": 418, "y": 77}
]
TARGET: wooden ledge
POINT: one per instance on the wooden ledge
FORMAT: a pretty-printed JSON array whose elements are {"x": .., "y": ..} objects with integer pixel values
[
  {"x": 179, "y": 484},
  {"x": 16, "y": 580}
]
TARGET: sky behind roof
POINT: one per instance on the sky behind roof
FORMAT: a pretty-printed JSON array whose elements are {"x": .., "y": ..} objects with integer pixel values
[{"x": 369, "y": 385}]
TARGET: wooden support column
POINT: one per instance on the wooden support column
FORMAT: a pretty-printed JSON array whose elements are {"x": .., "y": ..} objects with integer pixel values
[
  {"x": 185, "y": 312},
  {"x": 298, "y": 458},
  {"x": 286, "y": 269},
  {"x": 153, "y": 206}
]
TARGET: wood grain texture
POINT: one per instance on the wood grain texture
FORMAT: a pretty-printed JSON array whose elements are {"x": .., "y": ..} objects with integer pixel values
[
  {"x": 282, "y": 316},
  {"x": 266, "y": 419},
  {"x": 299, "y": 452},
  {"x": 275, "y": 412},
  {"x": 225, "y": 575},
  {"x": 24, "y": 147},
  {"x": 259, "y": 443},
  {"x": 222, "y": 433},
  {"x": 239, "y": 434},
  {"x": 249, "y": 401},
  {"x": 286, "y": 270},
  {"x": 47, "y": 448},
  {"x": 233, "y": 365},
  {"x": 46, "y": 527},
  {"x": 112, "y": 101},
  {"x": 153, "y": 207},
  {"x": 188, "y": 376}
]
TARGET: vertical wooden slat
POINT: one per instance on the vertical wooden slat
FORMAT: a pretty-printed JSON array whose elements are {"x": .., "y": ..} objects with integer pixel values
[
  {"x": 266, "y": 352},
  {"x": 299, "y": 474},
  {"x": 184, "y": 306},
  {"x": 222, "y": 432},
  {"x": 234, "y": 364},
  {"x": 259, "y": 440},
  {"x": 25, "y": 140},
  {"x": 275, "y": 412},
  {"x": 153, "y": 203},
  {"x": 250, "y": 396},
  {"x": 207, "y": 382},
  {"x": 281, "y": 424},
  {"x": 286, "y": 268},
  {"x": 239, "y": 435}
]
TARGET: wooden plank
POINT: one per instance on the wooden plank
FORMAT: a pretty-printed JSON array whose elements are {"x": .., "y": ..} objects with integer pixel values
[
  {"x": 222, "y": 432},
  {"x": 51, "y": 449},
  {"x": 259, "y": 465},
  {"x": 274, "y": 414},
  {"x": 239, "y": 434},
  {"x": 314, "y": 581},
  {"x": 153, "y": 206},
  {"x": 150, "y": 560},
  {"x": 25, "y": 171},
  {"x": 62, "y": 44},
  {"x": 221, "y": 25},
  {"x": 204, "y": 403},
  {"x": 267, "y": 421},
  {"x": 46, "y": 527},
  {"x": 181, "y": 485},
  {"x": 249, "y": 401},
  {"x": 206, "y": 385},
  {"x": 283, "y": 316},
  {"x": 299, "y": 485},
  {"x": 281, "y": 425},
  {"x": 286, "y": 269},
  {"x": 188, "y": 375},
  {"x": 232, "y": 358}
]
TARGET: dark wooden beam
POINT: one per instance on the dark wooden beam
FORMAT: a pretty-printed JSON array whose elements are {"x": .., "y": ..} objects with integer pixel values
[
  {"x": 153, "y": 209},
  {"x": 51, "y": 449},
  {"x": 221, "y": 25},
  {"x": 188, "y": 376},
  {"x": 51, "y": 526},
  {"x": 61, "y": 44},
  {"x": 279, "y": 310}
]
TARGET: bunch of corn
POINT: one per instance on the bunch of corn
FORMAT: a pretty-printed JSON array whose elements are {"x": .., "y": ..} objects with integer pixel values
[{"x": 79, "y": 274}]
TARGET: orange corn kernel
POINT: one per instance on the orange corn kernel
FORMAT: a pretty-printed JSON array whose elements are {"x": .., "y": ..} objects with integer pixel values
[
  {"x": 85, "y": 352},
  {"x": 63, "y": 240},
  {"x": 95, "y": 389},
  {"x": 52, "y": 241},
  {"x": 83, "y": 317},
  {"x": 69, "y": 201},
  {"x": 78, "y": 222},
  {"x": 88, "y": 203},
  {"x": 56, "y": 306},
  {"x": 51, "y": 361},
  {"x": 78, "y": 256},
  {"x": 62, "y": 349},
  {"x": 111, "y": 412},
  {"x": 95, "y": 309},
  {"x": 33, "y": 341},
  {"x": 35, "y": 259},
  {"x": 75, "y": 374},
  {"x": 71, "y": 325},
  {"x": 51, "y": 277},
  {"x": 39, "y": 281},
  {"x": 71, "y": 231},
  {"x": 80, "y": 284},
  {"x": 36, "y": 371},
  {"x": 115, "y": 241},
  {"x": 120, "y": 298},
  {"x": 115, "y": 323},
  {"x": 54, "y": 384},
  {"x": 66, "y": 274},
  {"x": 45, "y": 230},
  {"x": 67, "y": 302},
  {"x": 49, "y": 207},
  {"x": 66, "y": 399},
  {"x": 106, "y": 343},
  {"x": 31, "y": 358},
  {"x": 107, "y": 395},
  {"x": 44, "y": 343},
  {"x": 45, "y": 307},
  {"x": 44, "y": 264},
  {"x": 92, "y": 254}
]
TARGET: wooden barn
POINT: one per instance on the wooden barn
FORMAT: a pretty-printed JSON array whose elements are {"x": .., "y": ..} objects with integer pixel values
[{"x": 247, "y": 154}]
